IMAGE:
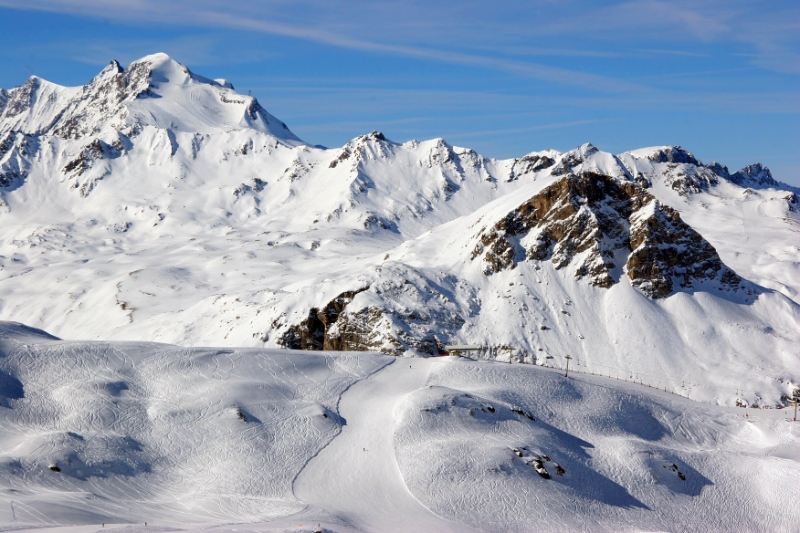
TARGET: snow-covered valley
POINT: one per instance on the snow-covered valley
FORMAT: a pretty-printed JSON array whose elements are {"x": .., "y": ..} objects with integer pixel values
[{"x": 154, "y": 211}]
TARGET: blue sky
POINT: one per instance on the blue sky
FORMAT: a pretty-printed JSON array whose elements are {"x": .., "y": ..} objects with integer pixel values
[{"x": 720, "y": 78}]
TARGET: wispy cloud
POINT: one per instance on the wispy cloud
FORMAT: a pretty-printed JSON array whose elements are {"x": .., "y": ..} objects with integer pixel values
[
  {"x": 195, "y": 50},
  {"x": 536, "y": 127},
  {"x": 452, "y": 31},
  {"x": 538, "y": 71}
]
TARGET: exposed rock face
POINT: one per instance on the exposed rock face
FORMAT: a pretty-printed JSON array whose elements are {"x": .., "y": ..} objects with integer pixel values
[
  {"x": 319, "y": 331},
  {"x": 530, "y": 163},
  {"x": 674, "y": 154},
  {"x": 587, "y": 220},
  {"x": 689, "y": 179},
  {"x": 572, "y": 159},
  {"x": 754, "y": 175},
  {"x": 361, "y": 147},
  {"x": 664, "y": 249},
  {"x": 92, "y": 152},
  {"x": 687, "y": 175},
  {"x": 102, "y": 97},
  {"x": 402, "y": 310},
  {"x": 81, "y": 115},
  {"x": 14, "y": 149}
]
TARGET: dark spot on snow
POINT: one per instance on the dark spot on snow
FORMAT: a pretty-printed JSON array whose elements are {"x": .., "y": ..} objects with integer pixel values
[
  {"x": 520, "y": 412},
  {"x": 116, "y": 388},
  {"x": 540, "y": 469},
  {"x": 55, "y": 468},
  {"x": 10, "y": 387}
]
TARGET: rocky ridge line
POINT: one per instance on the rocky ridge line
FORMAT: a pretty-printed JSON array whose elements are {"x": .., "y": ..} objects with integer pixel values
[{"x": 586, "y": 220}]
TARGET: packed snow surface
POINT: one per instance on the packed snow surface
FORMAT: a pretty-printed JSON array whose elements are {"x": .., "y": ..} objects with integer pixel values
[{"x": 98, "y": 435}]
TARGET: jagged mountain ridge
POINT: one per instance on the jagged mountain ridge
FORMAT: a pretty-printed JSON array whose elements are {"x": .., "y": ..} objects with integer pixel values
[
  {"x": 154, "y": 90},
  {"x": 151, "y": 203}
]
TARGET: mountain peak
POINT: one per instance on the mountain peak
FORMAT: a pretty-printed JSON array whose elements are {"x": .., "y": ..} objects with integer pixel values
[
  {"x": 597, "y": 223},
  {"x": 163, "y": 69},
  {"x": 154, "y": 90}
]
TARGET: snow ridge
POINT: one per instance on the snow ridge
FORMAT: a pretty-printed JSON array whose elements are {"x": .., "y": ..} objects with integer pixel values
[{"x": 155, "y": 203}]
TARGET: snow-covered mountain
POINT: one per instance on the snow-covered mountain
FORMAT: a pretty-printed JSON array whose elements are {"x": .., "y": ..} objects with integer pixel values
[{"x": 155, "y": 204}]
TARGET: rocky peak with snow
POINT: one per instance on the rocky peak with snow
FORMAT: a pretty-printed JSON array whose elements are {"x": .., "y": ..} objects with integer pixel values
[
  {"x": 154, "y": 90},
  {"x": 603, "y": 227},
  {"x": 754, "y": 176},
  {"x": 673, "y": 154}
]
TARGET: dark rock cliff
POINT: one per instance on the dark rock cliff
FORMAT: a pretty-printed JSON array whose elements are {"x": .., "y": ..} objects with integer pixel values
[{"x": 586, "y": 220}]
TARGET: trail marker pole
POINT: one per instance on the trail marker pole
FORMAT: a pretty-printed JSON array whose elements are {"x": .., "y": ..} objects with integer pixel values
[
  {"x": 795, "y": 410},
  {"x": 566, "y": 374}
]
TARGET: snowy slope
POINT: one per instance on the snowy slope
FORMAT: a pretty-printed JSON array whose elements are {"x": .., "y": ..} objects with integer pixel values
[
  {"x": 199, "y": 439},
  {"x": 138, "y": 430},
  {"x": 156, "y": 204}
]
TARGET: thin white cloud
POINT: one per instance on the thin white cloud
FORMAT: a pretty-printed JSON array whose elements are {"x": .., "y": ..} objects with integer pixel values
[
  {"x": 451, "y": 31},
  {"x": 536, "y": 127},
  {"x": 210, "y": 14}
]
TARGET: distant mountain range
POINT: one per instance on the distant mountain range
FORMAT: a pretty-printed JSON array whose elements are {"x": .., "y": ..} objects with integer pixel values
[{"x": 155, "y": 204}]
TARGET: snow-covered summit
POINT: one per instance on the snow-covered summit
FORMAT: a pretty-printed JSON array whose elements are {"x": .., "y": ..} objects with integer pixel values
[{"x": 153, "y": 91}]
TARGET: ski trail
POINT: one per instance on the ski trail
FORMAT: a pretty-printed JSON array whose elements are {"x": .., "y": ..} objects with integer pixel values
[{"x": 366, "y": 488}]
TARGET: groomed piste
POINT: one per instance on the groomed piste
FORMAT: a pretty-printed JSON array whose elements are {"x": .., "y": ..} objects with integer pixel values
[{"x": 105, "y": 436}]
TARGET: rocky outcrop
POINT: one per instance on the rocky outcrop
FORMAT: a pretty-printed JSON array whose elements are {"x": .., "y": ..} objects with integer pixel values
[
  {"x": 15, "y": 148},
  {"x": 402, "y": 310},
  {"x": 673, "y": 154},
  {"x": 757, "y": 176},
  {"x": 102, "y": 97},
  {"x": 359, "y": 148},
  {"x": 318, "y": 331},
  {"x": 687, "y": 179},
  {"x": 664, "y": 249},
  {"x": 70, "y": 115},
  {"x": 567, "y": 162},
  {"x": 94, "y": 151},
  {"x": 590, "y": 221},
  {"x": 528, "y": 164}
]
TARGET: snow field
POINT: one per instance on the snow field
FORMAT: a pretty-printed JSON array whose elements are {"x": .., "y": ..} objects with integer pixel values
[
  {"x": 356, "y": 477},
  {"x": 149, "y": 432},
  {"x": 179, "y": 211},
  {"x": 192, "y": 439},
  {"x": 466, "y": 447}
]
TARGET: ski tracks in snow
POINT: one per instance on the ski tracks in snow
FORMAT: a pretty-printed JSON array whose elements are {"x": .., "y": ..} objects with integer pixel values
[{"x": 356, "y": 478}]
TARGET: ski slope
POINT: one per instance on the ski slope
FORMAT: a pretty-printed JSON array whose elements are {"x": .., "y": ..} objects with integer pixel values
[
  {"x": 356, "y": 477},
  {"x": 361, "y": 442}
]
